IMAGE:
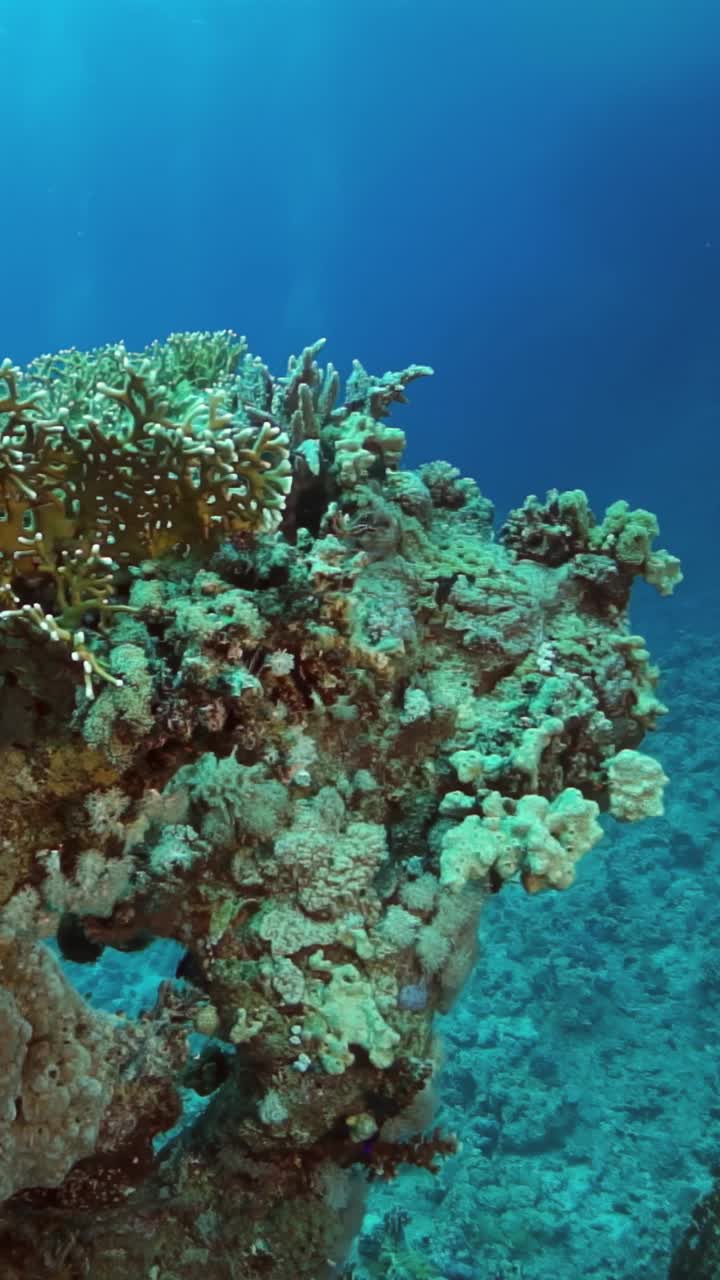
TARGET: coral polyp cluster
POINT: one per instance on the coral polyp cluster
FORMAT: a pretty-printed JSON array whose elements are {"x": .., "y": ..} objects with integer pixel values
[{"x": 331, "y": 715}]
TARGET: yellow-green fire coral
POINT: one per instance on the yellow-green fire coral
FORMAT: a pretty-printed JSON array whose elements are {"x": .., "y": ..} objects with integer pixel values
[{"x": 107, "y": 458}]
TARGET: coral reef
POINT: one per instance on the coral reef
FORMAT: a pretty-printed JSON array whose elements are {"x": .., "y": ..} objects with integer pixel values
[{"x": 268, "y": 695}]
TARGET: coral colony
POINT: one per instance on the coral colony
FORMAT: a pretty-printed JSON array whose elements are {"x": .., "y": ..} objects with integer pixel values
[{"x": 271, "y": 696}]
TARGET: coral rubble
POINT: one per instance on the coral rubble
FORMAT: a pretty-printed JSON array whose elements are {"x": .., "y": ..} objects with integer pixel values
[{"x": 269, "y": 695}]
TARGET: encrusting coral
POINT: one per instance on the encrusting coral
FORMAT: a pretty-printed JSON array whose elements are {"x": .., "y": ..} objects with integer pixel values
[{"x": 269, "y": 695}]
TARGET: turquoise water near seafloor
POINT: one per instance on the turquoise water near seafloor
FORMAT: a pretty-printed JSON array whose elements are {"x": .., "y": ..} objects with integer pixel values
[{"x": 524, "y": 195}]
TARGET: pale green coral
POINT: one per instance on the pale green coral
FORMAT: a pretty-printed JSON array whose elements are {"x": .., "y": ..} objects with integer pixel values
[
  {"x": 331, "y": 860},
  {"x": 125, "y": 711},
  {"x": 637, "y": 783},
  {"x": 533, "y": 837},
  {"x": 349, "y": 1011}
]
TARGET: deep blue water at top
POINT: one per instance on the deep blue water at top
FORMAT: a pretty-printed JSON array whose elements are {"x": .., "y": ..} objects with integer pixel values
[{"x": 524, "y": 194}]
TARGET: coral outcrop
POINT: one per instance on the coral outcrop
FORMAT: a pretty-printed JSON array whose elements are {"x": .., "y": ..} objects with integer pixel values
[
  {"x": 267, "y": 694},
  {"x": 697, "y": 1257}
]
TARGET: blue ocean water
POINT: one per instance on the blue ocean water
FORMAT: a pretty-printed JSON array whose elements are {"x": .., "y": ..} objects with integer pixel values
[{"x": 526, "y": 196}]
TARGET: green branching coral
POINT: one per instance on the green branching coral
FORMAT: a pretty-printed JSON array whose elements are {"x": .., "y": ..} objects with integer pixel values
[
  {"x": 140, "y": 466},
  {"x": 97, "y": 475}
]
